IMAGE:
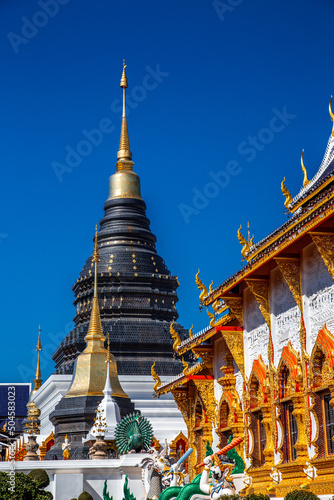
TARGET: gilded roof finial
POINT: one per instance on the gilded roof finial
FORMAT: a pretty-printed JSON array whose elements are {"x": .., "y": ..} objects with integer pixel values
[
  {"x": 124, "y": 155},
  {"x": 175, "y": 336},
  {"x": 246, "y": 244},
  {"x": 331, "y": 114},
  {"x": 305, "y": 181},
  {"x": 286, "y": 193},
  {"x": 201, "y": 287},
  {"x": 185, "y": 366},
  {"x": 155, "y": 377},
  {"x": 95, "y": 332},
  {"x": 38, "y": 378}
]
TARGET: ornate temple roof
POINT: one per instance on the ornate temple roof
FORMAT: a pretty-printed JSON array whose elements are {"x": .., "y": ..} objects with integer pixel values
[
  {"x": 137, "y": 292},
  {"x": 312, "y": 206}
]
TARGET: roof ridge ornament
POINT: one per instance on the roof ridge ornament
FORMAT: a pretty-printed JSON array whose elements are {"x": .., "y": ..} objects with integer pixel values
[
  {"x": 246, "y": 244},
  {"x": 287, "y": 194},
  {"x": 331, "y": 114},
  {"x": 305, "y": 181},
  {"x": 38, "y": 377}
]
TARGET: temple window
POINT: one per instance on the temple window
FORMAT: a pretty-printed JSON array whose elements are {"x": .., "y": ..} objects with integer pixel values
[
  {"x": 290, "y": 432},
  {"x": 318, "y": 363},
  {"x": 329, "y": 424},
  {"x": 259, "y": 439},
  {"x": 284, "y": 386}
]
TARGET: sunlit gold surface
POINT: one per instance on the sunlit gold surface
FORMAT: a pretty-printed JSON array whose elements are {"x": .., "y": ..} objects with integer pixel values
[
  {"x": 124, "y": 185},
  {"x": 287, "y": 195},
  {"x": 305, "y": 181}
]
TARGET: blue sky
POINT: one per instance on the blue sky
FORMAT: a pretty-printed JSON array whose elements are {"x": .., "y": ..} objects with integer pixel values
[{"x": 223, "y": 97}]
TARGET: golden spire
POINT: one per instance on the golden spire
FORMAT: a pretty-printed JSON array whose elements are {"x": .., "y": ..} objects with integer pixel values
[
  {"x": 331, "y": 114},
  {"x": 108, "y": 351},
  {"x": 91, "y": 369},
  {"x": 95, "y": 335},
  {"x": 38, "y": 379},
  {"x": 305, "y": 181},
  {"x": 124, "y": 155}
]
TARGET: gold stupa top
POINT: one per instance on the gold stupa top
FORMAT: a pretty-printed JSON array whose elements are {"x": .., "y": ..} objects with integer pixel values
[
  {"x": 90, "y": 370},
  {"x": 38, "y": 378},
  {"x": 124, "y": 155},
  {"x": 125, "y": 182}
]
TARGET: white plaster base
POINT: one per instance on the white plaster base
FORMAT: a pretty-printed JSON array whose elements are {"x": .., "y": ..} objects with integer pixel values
[{"x": 69, "y": 478}]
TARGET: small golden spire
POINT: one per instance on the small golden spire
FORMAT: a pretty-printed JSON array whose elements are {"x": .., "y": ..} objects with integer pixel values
[
  {"x": 331, "y": 114},
  {"x": 38, "y": 378},
  {"x": 124, "y": 155},
  {"x": 108, "y": 359},
  {"x": 286, "y": 193},
  {"x": 95, "y": 332},
  {"x": 305, "y": 181}
]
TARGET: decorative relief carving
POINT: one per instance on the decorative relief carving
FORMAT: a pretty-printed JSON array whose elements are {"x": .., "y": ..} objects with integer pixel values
[
  {"x": 235, "y": 305},
  {"x": 235, "y": 343},
  {"x": 205, "y": 389},
  {"x": 287, "y": 328},
  {"x": 290, "y": 269},
  {"x": 183, "y": 404},
  {"x": 258, "y": 344},
  {"x": 325, "y": 246},
  {"x": 260, "y": 290},
  {"x": 321, "y": 310}
]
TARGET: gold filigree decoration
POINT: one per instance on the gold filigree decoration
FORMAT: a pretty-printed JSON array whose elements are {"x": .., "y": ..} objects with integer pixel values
[
  {"x": 201, "y": 287},
  {"x": 183, "y": 403},
  {"x": 286, "y": 193},
  {"x": 205, "y": 389},
  {"x": 235, "y": 305},
  {"x": 246, "y": 244},
  {"x": 325, "y": 245},
  {"x": 155, "y": 377},
  {"x": 260, "y": 290},
  {"x": 235, "y": 343},
  {"x": 305, "y": 181},
  {"x": 290, "y": 269},
  {"x": 175, "y": 336}
]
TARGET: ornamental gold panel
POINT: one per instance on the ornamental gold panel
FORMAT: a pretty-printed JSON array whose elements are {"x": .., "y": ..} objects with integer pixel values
[
  {"x": 205, "y": 389},
  {"x": 235, "y": 342},
  {"x": 235, "y": 305},
  {"x": 290, "y": 269},
  {"x": 260, "y": 289}
]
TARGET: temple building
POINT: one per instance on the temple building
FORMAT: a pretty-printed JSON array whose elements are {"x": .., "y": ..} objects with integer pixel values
[{"x": 265, "y": 363}]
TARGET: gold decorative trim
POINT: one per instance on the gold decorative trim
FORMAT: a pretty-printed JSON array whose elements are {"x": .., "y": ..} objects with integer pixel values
[
  {"x": 260, "y": 290},
  {"x": 235, "y": 343}
]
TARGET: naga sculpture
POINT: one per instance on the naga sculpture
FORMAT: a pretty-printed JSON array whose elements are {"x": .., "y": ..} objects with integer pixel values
[{"x": 133, "y": 434}]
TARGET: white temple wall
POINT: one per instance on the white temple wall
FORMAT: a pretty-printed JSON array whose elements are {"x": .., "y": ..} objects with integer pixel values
[
  {"x": 318, "y": 294},
  {"x": 285, "y": 315},
  {"x": 256, "y": 332}
]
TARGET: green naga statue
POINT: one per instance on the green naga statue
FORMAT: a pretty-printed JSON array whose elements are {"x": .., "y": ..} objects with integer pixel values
[
  {"x": 127, "y": 494},
  {"x": 234, "y": 455},
  {"x": 134, "y": 433}
]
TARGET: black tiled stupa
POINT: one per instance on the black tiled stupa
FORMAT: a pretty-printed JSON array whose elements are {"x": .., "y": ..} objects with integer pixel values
[{"x": 137, "y": 293}]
